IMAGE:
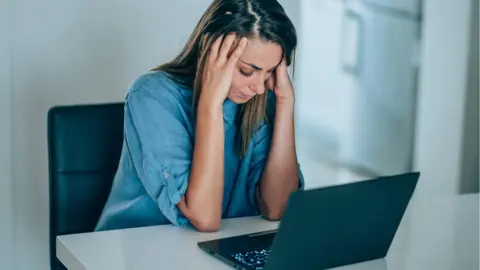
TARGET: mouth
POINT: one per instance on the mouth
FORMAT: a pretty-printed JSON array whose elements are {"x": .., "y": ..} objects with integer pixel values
[{"x": 243, "y": 96}]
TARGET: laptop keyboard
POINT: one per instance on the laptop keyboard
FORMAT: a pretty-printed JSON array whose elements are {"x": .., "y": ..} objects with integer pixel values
[{"x": 253, "y": 258}]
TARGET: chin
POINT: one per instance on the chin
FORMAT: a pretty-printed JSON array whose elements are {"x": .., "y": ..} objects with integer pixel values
[{"x": 238, "y": 100}]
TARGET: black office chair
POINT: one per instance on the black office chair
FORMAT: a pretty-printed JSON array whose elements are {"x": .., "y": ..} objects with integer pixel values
[{"x": 84, "y": 146}]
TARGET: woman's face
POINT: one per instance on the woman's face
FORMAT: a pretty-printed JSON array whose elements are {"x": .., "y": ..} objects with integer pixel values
[{"x": 255, "y": 66}]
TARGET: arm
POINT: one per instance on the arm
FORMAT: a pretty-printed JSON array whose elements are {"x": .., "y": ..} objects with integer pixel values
[
  {"x": 281, "y": 175},
  {"x": 184, "y": 180},
  {"x": 161, "y": 148},
  {"x": 202, "y": 203},
  {"x": 162, "y": 153}
]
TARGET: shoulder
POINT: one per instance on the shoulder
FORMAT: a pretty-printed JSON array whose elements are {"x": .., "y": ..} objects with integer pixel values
[
  {"x": 160, "y": 87},
  {"x": 158, "y": 84}
]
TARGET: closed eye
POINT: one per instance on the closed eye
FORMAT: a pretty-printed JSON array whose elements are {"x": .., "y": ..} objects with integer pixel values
[{"x": 246, "y": 74}]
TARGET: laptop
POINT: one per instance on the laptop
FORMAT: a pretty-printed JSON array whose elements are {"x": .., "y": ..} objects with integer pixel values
[{"x": 325, "y": 227}]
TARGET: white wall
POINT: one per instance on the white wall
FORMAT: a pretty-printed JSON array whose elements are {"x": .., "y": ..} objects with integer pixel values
[
  {"x": 5, "y": 171},
  {"x": 443, "y": 95},
  {"x": 67, "y": 52},
  {"x": 323, "y": 87},
  {"x": 323, "y": 91},
  {"x": 70, "y": 52}
]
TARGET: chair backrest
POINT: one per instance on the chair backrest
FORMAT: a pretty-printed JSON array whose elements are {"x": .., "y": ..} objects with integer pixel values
[{"x": 84, "y": 146}]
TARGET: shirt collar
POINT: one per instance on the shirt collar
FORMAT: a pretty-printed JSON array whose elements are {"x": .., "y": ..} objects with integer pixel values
[{"x": 230, "y": 110}]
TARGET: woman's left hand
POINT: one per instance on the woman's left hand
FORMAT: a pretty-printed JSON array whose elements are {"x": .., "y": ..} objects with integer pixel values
[{"x": 281, "y": 84}]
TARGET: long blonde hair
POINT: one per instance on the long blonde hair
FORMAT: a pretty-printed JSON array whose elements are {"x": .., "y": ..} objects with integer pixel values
[{"x": 264, "y": 19}]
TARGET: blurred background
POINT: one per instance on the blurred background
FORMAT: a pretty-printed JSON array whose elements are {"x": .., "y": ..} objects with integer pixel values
[{"x": 383, "y": 87}]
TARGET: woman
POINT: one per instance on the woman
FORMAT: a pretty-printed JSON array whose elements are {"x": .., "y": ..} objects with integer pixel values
[{"x": 204, "y": 138}]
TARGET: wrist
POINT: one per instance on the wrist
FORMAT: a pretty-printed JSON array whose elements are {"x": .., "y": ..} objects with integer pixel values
[
  {"x": 211, "y": 99},
  {"x": 209, "y": 107},
  {"x": 285, "y": 99},
  {"x": 283, "y": 103},
  {"x": 284, "y": 110}
]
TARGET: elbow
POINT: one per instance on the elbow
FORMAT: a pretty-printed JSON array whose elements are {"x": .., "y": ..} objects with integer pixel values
[
  {"x": 272, "y": 212},
  {"x": 273, "y": 215},
  {"x": 207, "y": 224},
  {"x": 203, "y": 221}
]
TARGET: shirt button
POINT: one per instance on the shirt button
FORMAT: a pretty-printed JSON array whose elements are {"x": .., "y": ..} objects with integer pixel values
[{"x": 166, "y": 175}]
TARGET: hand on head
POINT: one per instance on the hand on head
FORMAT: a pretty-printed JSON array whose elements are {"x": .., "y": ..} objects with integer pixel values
[
  {"x": 219, "y": 66},
  {"x": 280, "y": 83}
]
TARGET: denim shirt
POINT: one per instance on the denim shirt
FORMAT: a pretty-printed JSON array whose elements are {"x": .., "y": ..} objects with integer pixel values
[{"x": 154, "y": 168}]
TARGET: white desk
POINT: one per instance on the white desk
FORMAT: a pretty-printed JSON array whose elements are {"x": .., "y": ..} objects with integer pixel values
[{"x": 435, "y": 234}]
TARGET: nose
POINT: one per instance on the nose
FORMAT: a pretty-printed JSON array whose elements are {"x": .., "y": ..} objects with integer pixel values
[{"x": 259, "y": 85}]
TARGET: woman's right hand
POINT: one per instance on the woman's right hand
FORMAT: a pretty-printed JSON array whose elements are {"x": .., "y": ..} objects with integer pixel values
[{"x": 219, "y": 66}]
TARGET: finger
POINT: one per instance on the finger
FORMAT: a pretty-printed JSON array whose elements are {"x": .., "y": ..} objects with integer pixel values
[
  {"x": 271, "y": 82},
  {"x": 232, "y": 61},
  {"x": 282, "y": 67},
  {"x": 226, "y": 45},
  {"x": 213, "y": 54}
]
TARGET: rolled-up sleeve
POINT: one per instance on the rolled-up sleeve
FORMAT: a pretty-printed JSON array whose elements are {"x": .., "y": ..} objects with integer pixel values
[{"x": 161, "y": 149}]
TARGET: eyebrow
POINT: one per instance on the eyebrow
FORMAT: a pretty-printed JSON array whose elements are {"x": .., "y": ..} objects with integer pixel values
[{"x": 252, "y": 65}]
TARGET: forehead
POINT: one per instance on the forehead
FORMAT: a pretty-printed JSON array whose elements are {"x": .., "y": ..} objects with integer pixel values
[{"x": 262, "y": 54}]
